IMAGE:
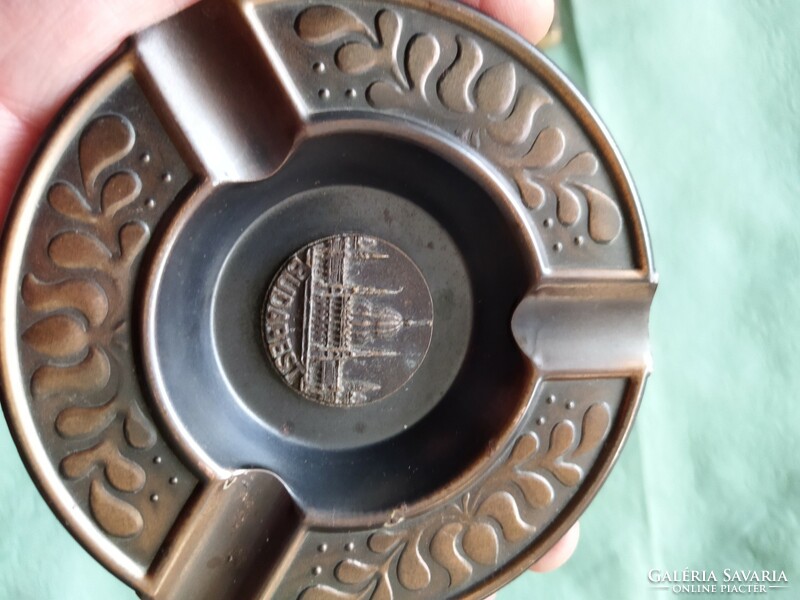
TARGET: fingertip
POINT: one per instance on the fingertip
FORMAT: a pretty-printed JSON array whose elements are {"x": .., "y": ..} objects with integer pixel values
[
  {"x": 541, "y": 15},
  {"x": 530, "y": 18},
  {"x": 560, "y": 552}
]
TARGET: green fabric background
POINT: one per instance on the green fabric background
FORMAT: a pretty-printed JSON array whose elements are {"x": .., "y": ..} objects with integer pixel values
[{"x": 702, "y": 98}]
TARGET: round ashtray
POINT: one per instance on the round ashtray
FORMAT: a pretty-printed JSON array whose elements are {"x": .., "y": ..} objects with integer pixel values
[{"x": 324, "y": 301}]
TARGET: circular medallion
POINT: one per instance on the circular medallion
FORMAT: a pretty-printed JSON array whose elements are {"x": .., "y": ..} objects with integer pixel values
[{"x": 347, "y": 320}]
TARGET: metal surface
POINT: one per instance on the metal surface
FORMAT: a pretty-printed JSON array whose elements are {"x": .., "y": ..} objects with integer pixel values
[
  {"x": 347, "y": 320},
  {"x": 170, "y": 373}
]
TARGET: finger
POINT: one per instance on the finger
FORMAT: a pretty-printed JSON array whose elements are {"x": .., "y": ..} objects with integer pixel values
[
  {"x": 16, "y": 141},
  {"x": 557, "y": 555},
  {"x": 49, "y": 47},
  {"x": 530, "y": 18},
  {"x": 560, "y": 552},
  {"x": 45, "y": 52}
]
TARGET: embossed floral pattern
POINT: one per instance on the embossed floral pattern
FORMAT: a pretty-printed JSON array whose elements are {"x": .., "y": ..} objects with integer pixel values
[
  {"x": 77, "y": 325},
  {"x": 485, "y": 103},
  {"x": 469, "y": 533}
]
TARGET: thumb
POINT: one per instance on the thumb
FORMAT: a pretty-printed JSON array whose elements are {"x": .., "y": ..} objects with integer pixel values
[{"x": 530, "y": 18}]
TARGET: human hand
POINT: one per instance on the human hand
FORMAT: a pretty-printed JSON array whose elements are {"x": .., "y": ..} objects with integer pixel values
[{"x": 49, "y": 46}]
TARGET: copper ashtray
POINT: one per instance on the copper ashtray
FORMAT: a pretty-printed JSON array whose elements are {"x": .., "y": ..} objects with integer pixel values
[{"x": 324, "y": 301}]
